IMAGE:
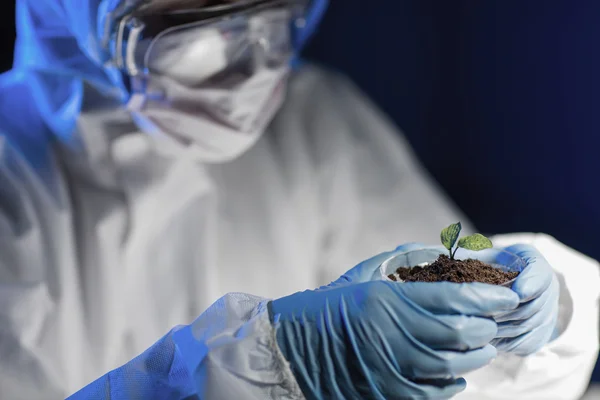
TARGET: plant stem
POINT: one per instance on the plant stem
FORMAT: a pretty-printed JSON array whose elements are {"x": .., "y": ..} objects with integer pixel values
[{"x": 453, "y": 254}]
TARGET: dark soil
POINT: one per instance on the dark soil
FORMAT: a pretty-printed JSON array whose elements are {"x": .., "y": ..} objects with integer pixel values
[{"x": 458, "y": 271}]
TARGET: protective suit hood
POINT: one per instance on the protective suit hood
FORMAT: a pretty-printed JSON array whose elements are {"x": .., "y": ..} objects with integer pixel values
[{"x": 57, "y": 49}]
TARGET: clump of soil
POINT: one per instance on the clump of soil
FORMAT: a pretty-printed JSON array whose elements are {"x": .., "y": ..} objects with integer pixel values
[{"x": 458, "y": 271}]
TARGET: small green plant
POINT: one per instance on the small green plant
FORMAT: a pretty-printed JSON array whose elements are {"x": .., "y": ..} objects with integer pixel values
[{"x": 476, "y": 242}]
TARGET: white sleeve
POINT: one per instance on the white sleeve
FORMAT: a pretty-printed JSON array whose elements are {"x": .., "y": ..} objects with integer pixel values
[
  {"x": 562, "y": 369},
  {"x": 229, "y": 352},
  {"x": 232, "y": 352}
]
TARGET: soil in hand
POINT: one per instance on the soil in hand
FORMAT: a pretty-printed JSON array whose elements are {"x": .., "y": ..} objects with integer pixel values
[{"x": 458, "y": 271}]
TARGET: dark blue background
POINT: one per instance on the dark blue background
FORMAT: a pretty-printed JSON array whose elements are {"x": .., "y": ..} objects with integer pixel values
[{"x": 499, "y": 98}]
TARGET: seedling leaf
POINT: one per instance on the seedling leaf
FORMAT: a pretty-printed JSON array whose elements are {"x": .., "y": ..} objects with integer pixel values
[
  {"x": 475, "y": 242},
  {"x": 450, "y": 235}
]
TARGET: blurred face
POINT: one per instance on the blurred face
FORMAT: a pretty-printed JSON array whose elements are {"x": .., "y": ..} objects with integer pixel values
[{"x": 210, "y": 77}]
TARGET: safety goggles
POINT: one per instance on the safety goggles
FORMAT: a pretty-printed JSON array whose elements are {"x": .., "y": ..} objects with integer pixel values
[{"x": 249, "y": 32}]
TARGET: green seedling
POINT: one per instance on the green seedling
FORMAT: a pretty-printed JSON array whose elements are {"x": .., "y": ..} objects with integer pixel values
[{"x": 476, "y": 242}]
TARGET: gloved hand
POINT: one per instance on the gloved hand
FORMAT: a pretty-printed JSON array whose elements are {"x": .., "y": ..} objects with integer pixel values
[
  {"x": 523, "y": 331},
  {"x": 362, "y": 339},
  {"x": 527, "y": 329}
]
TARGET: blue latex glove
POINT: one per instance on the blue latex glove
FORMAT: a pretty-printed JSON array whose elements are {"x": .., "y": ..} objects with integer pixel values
[
  {"x": 366, "y": 339},
  {"x": 523, "y": 331},
  {"x": 527, "y": 329}
]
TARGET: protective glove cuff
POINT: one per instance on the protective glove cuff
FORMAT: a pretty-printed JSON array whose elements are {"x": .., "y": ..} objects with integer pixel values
[
  {"x": 248, "y": 344},
  {"x": 274, "y": 318}
]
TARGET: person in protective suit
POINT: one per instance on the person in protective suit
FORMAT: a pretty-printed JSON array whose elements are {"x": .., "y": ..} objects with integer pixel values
[{"x": 155, "y": 155}]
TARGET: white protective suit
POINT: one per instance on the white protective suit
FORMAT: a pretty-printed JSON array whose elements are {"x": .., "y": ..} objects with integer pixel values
[{"x": 106, "y": 242}]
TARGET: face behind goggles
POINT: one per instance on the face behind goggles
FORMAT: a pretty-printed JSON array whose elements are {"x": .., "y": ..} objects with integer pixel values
[
  {"x": 269, "y": 28},
  {"x": 209, "y": 79}
]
